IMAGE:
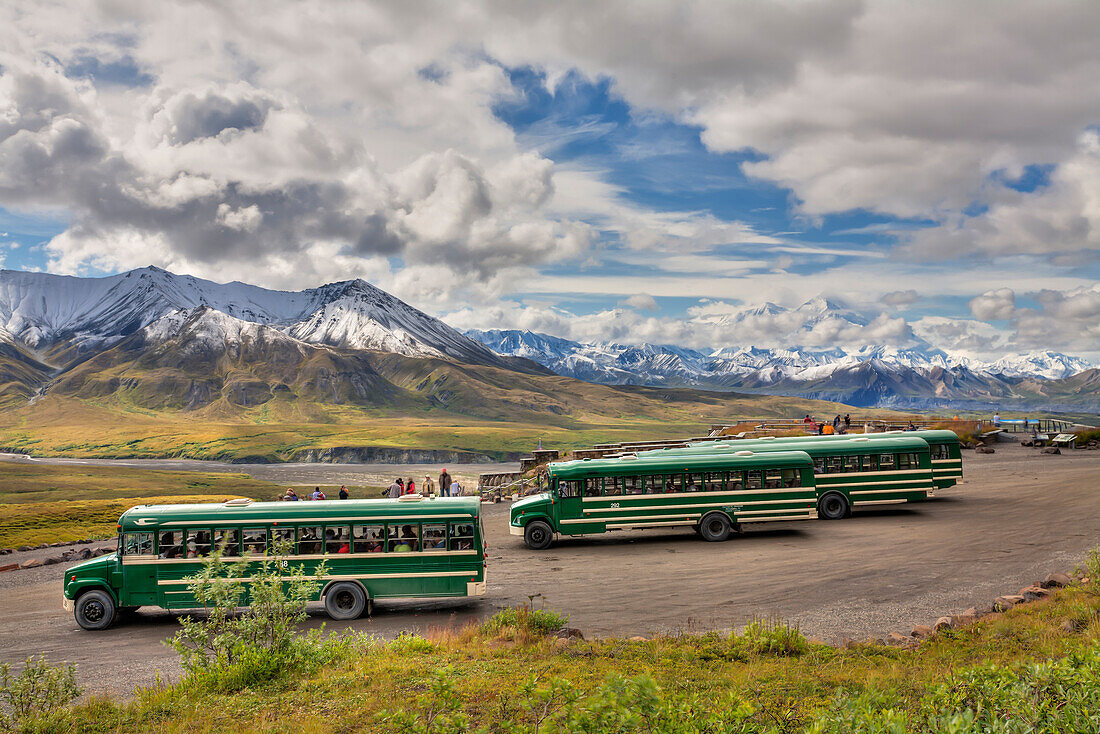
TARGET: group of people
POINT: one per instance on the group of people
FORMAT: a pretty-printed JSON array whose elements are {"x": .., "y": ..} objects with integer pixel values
[
  {"x": 839, "y": 425},
  {"x": 448, "y": 486},
  {"x": 317, "y": 494}
]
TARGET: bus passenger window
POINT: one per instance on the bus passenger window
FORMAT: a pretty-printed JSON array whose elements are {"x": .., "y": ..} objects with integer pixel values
[
  {"x": 230, "y": 538},
  {"x": 282, "y": 540},
  {"x": 673, "y": 484},
  {"x": 736, "y": 481},
  {"x": 819, "y": 465},
  {"x": 368, "y": 538},
  {"x": 940, "y": 451},
  {"x": 870, "y": 463},
  {"x": 753, "y": 479},
  {"x": 404, "y": 538},
  {"x": 435, "y": 537},
  {"x": 832, "y": 465},
  {"x": 137, "y": 544},
  {"x": 695, "y": 483},
  {"x": 462, "y": 536},
  {"x": 634, "y": 485},
  {"x": 593, "y": 487},
  {"x": 171, "y": 544},
  {"x": 851, "y": 463},
  {"x": 773, "y": 479},
  {"x": 714, "y": 482},
  {"x": 255, "y": 541},
  {"x": 792, "y": 478},
  {"x": 198, "y": 543},
  {"x": 570, "y": 487},
  {"x": 337, "y": 540},
  {"x": 612, "y": 486},
  {"x": 309, "y": 541},
  {"x": 886, "y": 462},
  {"x": 655, "y": 484},
  {"x": 904, "y": 461}
]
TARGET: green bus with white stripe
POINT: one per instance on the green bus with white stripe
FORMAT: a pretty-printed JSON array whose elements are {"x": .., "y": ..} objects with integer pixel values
[
  {"x": 944, "y": 448},
  {"x": 716, "y": 495},
  {"x": 411, "y": 547},
  {"x": 855, "y": 471}
]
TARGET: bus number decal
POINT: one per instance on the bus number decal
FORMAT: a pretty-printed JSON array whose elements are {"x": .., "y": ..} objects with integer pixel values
[{"x": 614, "y": 505}]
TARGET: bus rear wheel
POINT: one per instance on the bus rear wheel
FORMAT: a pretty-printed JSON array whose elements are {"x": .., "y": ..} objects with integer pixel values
[
  {"x": 833, "y": 506},
  {"x": 538, "y": 535},
  {"x": 94, "y": 610},
  {"x": 345, "y": 600},
  {"x": 715, "y": 527}
]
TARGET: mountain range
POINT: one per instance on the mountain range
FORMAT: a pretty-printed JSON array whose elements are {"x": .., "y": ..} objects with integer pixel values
[{"x": 160, "y": 341}]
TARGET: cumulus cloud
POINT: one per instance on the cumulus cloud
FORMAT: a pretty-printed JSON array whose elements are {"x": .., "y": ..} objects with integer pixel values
[
  {"x": 640, "y": 301},
  {"x": 900, "y": 298},
  {"x": 994, "y": 305}
]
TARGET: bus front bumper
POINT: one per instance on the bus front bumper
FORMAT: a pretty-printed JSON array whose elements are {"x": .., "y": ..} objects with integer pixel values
[
  {"x": 475, "y": 588},
  {"x": 67, "y": 604},
  {"x": 513, "y": 530}
]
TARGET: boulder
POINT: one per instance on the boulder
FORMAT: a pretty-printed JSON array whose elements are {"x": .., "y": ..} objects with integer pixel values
[
  {"x": 1056, "y": 580},
  {"x": 638, "y": 638},
  {"x": 943, "y": 623},
  {"x": 562, "y": 642},
  {"x": 85, "y": 554},
  {"x": 1027, "y": 443},
  {"x": 9, "y": 567},
  {"x": 1034, "y": 593},
  {"x": 24, "y": 548},
  {"x": 56, "y": 545},
  {"x": 897, "y": 639},
  {"x": 32, "y": 563},
  {"x": 921, "y": 631},
  {"x": 52, "y": 560},
  {"x": 1052, "y": 450},
  {"x": 967, "y": 618},
  {"x": 569, "y": 633},
  {"x": 985, "y": 450},
  {"x": 1004, "y": 603},
  {"x": 100, "y": 552}
]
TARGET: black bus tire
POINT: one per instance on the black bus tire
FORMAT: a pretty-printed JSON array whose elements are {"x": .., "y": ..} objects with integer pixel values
[
  {"x": 715, "y": 527},
  {"x": 538, "y": 535},
  {"x": 94, "y": 610},
  {"x": 833, "y": 506},
  {"x": 345, "y": 600}
]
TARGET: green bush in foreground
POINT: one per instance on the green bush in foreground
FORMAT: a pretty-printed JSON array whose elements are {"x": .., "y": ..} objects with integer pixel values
[
  {"x": 524, "y": 622},
  {"x": 37, "y": 692}
]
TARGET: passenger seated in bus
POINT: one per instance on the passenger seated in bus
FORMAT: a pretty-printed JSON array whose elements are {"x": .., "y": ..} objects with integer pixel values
[
  {"x": 670, "y": 487},
  {"x": 170, "y": 545}
]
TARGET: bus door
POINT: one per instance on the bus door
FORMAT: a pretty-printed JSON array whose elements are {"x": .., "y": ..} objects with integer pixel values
[
  {"x": 569, "y": 501},
  {"x": 139, "y": 570}
]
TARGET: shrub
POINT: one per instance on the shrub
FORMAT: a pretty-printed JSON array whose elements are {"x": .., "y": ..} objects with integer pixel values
[
  {"x": 774, "y": 638},
  {"x": 231, "y": 648},
  {"x": 39, "y": 690},
  {"x": 523, "y": 622}
]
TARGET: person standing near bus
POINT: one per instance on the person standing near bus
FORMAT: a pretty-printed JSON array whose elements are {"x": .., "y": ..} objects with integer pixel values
[
  {"x": 343, "y": 491},
  {"x": 396, "y": 489},
  {"x": 445, "y": 483},
  {"x": 429, "y": 485},
  {"x": 318, "y": 494},
  {"x": 410, "y": 486}
]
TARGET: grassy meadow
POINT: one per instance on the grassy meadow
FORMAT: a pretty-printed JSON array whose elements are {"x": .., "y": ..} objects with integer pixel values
[
  {"x": 1034, "y": 668},
  {"x": 45, "y": 504}
]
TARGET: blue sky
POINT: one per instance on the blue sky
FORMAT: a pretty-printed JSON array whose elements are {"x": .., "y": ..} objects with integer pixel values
[{"x": 638, "y": 174}]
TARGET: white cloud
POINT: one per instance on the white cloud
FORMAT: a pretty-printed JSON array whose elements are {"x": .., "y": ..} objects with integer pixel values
[{"x": 640, "y": 301}]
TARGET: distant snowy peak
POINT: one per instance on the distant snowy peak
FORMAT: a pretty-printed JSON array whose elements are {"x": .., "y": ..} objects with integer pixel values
[
  {"x": 42, "y": 310},
  {"x": 1046, "y": 364}
]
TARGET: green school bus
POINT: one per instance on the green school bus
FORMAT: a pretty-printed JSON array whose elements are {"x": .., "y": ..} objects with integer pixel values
[
  {"x": 374, "y": 549},
  {"x": 854, "y": 471},
  {"x": 713, "y": 494},
  {"x": 944, "y": 449}
]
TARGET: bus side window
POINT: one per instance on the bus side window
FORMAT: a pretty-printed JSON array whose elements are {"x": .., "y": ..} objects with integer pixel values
[
  {"x": 255, "y": 541},
  {"x": 904, "y": 461},
  {"x": 368, "y": 538},
  {"x": 674, "y": 483},
  {"x": 851, "y": 463},
  {"x": 736, "y": 481},
  {"x": 593, "y": 487},
  {"x": 198, "y": 543},
  {"x": 753, "y": 479},
  {"x": 570, "y": 487},
  {"x": 819, "y": 465},
  {"x": 462, "y": 536},
  {"x": 886, "y": 462},
  {"x": 792, "y": 478},
  {"x": 940, "y": 451},
  {"x": 832, "y": 465},
  {"x": 435, "y": 537},
  {"x": 171, "y": 544},
  {"x": 404, "y": 538},
  {"x": 714, "y": 482},
  {"x": 309, "y": 541},
  {"x": 612, "y": 486},
  {"x": 137, "y": 544},
  {"x": 655, "y": 484},
  {"x": 695, "y": 483},
  {"x": 337, "y": 539},
  {"x": 870, "y": 463},
  {"x": 634, "y": 485},
  {"x": 230, "y": 538},
  {"x": 282, "y": 540},
  {"x": 773, "y": 479}
]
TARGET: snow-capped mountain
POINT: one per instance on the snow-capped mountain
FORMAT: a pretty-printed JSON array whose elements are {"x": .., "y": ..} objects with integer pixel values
[
  {"x": 48, "y": 313},
  {"x": 920, "y": 376}
]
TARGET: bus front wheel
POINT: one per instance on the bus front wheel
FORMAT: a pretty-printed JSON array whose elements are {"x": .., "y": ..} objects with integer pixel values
[
  {"x": 94, "y": 610},
  {"x": 345, "y": 601},
  {"x": 833, "y": 506},
  {"x": 715, "y": 527},
  {"x": 538, "y": 535}
]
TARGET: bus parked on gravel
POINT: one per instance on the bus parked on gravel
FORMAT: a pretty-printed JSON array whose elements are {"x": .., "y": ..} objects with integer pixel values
[
  {"x": 374, "y": 549},
  {"x": 716, "y": 495},
  {"x": 944, "y": 448},
  {"x": 854, "y": 471}
]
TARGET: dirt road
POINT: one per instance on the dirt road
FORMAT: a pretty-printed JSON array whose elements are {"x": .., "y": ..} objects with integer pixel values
[{"x": 1019, "y": 515}]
